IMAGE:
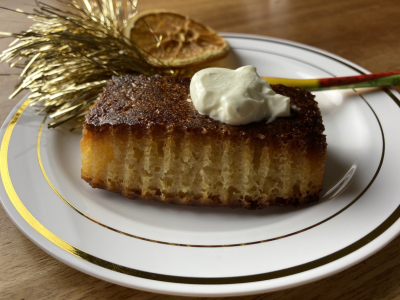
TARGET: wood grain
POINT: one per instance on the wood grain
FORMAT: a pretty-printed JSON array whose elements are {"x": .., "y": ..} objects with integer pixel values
[{"x": 363, "y": 31}]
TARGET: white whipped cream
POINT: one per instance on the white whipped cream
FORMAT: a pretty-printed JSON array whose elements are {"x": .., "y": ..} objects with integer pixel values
[{"x": 236, "y": 97}]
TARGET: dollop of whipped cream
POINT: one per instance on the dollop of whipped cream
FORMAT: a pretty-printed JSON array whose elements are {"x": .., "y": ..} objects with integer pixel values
[{"x": 236, "y": 97}]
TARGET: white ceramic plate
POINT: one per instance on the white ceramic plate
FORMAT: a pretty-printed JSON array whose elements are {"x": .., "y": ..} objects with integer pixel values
[{"x": 216, "y": 251}]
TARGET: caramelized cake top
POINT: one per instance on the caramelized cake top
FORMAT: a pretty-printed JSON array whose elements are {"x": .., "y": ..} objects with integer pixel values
[{"x": 162, "y": 102}]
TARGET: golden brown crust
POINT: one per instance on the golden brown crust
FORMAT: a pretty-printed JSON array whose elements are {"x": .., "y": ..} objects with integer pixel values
[{"x": 161, "y": 103}]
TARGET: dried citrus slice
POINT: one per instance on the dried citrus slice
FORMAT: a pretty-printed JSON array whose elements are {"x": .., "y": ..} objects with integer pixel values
[{"x": 174, "y": 40}]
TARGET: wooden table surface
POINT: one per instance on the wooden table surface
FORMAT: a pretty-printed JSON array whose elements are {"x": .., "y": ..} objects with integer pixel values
[{"x": 365, "y": 32}]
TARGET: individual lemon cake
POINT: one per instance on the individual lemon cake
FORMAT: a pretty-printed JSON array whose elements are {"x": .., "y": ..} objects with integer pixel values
[{"x": 144, "y": 139}]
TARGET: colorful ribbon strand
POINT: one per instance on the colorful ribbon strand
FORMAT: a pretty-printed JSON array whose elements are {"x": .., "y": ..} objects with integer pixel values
[{"x": 349, "y": 82}]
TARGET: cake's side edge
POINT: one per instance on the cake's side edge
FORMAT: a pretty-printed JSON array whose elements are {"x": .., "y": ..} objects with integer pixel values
[{"x": 104, "y": 137}]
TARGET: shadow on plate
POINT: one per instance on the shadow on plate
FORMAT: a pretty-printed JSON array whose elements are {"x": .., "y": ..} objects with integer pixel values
[{"x": 339, "y": 178}]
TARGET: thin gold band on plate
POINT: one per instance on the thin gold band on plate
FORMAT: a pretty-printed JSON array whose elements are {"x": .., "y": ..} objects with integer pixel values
[{"x": 226, "y": 245}]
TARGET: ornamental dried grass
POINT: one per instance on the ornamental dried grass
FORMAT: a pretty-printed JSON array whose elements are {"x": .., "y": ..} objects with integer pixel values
[{"x": 70, "y": 53}]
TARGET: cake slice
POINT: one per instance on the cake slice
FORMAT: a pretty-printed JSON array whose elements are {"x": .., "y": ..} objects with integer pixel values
[{"x": 144, "y": 139}]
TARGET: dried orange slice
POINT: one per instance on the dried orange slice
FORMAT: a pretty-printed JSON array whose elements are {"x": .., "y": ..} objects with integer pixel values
[{"x": 174, "y": 40}]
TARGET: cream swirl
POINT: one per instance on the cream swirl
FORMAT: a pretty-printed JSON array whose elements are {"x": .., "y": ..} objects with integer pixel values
[{"x": 236, "y": 97}]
